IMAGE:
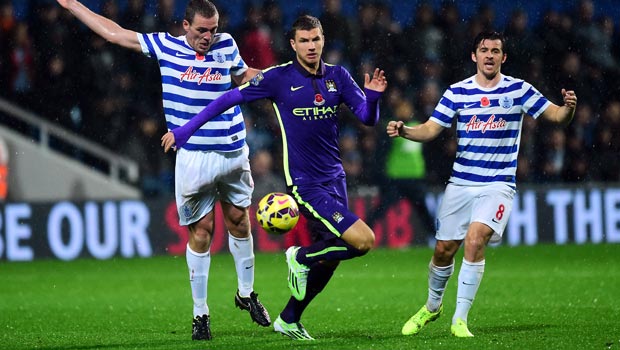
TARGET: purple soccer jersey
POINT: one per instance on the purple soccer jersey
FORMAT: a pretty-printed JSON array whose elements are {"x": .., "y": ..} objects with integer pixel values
[{"x": 307, "y": 107}]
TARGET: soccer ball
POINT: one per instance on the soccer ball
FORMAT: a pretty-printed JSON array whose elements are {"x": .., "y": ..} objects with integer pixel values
[{"x": 277, "y": 213}]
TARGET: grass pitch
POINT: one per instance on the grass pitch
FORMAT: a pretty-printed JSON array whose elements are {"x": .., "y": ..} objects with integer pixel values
[{"x": 537, "y": 297}]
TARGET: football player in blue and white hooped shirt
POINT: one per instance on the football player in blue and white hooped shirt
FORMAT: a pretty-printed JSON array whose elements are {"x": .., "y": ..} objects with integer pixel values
[
  {"x": 197, "y": 68},
  {"x": 307, "y": 95},
  {"x": 488, "y": 109}
]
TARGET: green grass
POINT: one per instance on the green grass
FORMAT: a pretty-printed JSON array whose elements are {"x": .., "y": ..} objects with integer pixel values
[{"x": 540, "y": 297}]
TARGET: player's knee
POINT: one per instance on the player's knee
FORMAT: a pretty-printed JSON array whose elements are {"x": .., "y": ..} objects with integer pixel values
[
  {"x": 360, "y": 237},
  {"x": 444, "y": 254},
  {"x": 477, "y": 241},
  {"x": 200, "y": 240},
  {"x": 239, "y": 227},
  {"x": 366, "y": 243},
  {"x": 200, "y": 234},
  {"x": 240, "y": 231}
]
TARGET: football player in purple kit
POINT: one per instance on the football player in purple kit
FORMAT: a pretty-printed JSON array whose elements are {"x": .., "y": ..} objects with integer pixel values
[{"x": 307, "y": 94}]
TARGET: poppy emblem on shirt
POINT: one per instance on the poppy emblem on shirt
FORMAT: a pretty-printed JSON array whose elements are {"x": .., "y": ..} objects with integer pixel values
[
  {"x": 506, "y": 102},
  {"x": 219, "y": 57},
  {"x": 484, "y": 102},
  {"x": 200, "y": 57},
  {"x": 331, "y": 86},
  {"x": 319, "y": 100}
]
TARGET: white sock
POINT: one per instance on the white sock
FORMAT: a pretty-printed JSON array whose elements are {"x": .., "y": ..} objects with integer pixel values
[
  {"x": 242, "y": 250},
  {"x": 198, "y": 265},
  {"x": 438, "y": 277},
  {"x": 470, "y": 277}
]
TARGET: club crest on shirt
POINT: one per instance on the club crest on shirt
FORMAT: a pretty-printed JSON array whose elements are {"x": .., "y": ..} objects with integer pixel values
[
  {"x": 187, "y": 211},
  {"x": 219, "y": 57},
  {"x": 331, "y": 86},
  {"x": 506, "y": 102},
  {"x": 337, "y": 217},
  {"x": 257, "y": 78}
]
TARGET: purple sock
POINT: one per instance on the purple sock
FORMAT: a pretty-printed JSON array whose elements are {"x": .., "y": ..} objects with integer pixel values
[
  {"x": 318, "y": 277},
  {"x": 334, "y": 249}
]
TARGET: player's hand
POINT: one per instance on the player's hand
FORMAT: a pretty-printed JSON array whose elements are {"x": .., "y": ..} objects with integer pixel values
[
  {"x": 394, "y": 128},
  {"x": 378, "y": 82},
  {"x": 570, "y": 99},
  {"x": 167, "y": 142},
  {"x": 65, "y": 3}
]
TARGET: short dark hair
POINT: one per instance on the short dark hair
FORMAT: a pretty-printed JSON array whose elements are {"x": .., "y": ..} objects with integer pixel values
[
  {"x": 488, "y": 35},
  {"x": 204, "y": 8},
  {"x": 305, "y": 22}
]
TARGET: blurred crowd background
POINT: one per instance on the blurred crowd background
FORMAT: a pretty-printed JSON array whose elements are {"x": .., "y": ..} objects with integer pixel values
[{"x": 57, "y": 68}]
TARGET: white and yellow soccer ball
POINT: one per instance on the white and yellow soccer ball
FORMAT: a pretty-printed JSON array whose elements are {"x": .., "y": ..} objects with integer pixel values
[{"x": 277, "y": 213}]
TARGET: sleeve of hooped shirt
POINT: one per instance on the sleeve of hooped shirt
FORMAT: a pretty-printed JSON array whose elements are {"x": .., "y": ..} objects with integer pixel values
[
  {"x": 148, "y": 43},
  {"x": 534, "y": 103},
  {"x": 238, "y": 64}
]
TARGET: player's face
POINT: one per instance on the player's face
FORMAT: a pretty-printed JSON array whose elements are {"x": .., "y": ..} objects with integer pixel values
[
  {"x": 308, "y": 45},
  {"x": 200, "y": 32},
  {"x": 489, "y": 57}
]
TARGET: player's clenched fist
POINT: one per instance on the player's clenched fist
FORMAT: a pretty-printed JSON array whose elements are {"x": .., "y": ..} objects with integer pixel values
[
  {"x": 570, "y": 99},
  {"x": 394, "y": 127}
]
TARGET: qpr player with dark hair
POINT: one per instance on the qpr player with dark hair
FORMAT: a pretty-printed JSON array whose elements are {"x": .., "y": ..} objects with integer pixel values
[
  {"x": 307, "y": 95},
  {"x": 195, "y": 69},
  {"x": 488, "y": 109}
]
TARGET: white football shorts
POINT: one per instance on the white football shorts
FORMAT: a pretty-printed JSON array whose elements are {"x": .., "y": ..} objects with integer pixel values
[
  {"x": 461, "y": 205},
  {"x": 203, "y": 177}
]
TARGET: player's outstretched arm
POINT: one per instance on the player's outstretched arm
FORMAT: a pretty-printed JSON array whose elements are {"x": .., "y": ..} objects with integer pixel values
[
  {"x": 562, "y": 114},
  {"x": 106, "y": 28},
  {"x": 176, "y": 138},
  {"x": 378, "y": 82}
]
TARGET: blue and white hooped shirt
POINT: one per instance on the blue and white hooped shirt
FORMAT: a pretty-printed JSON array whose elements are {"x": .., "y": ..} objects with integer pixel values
[{"x": 488, "y": 127}]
